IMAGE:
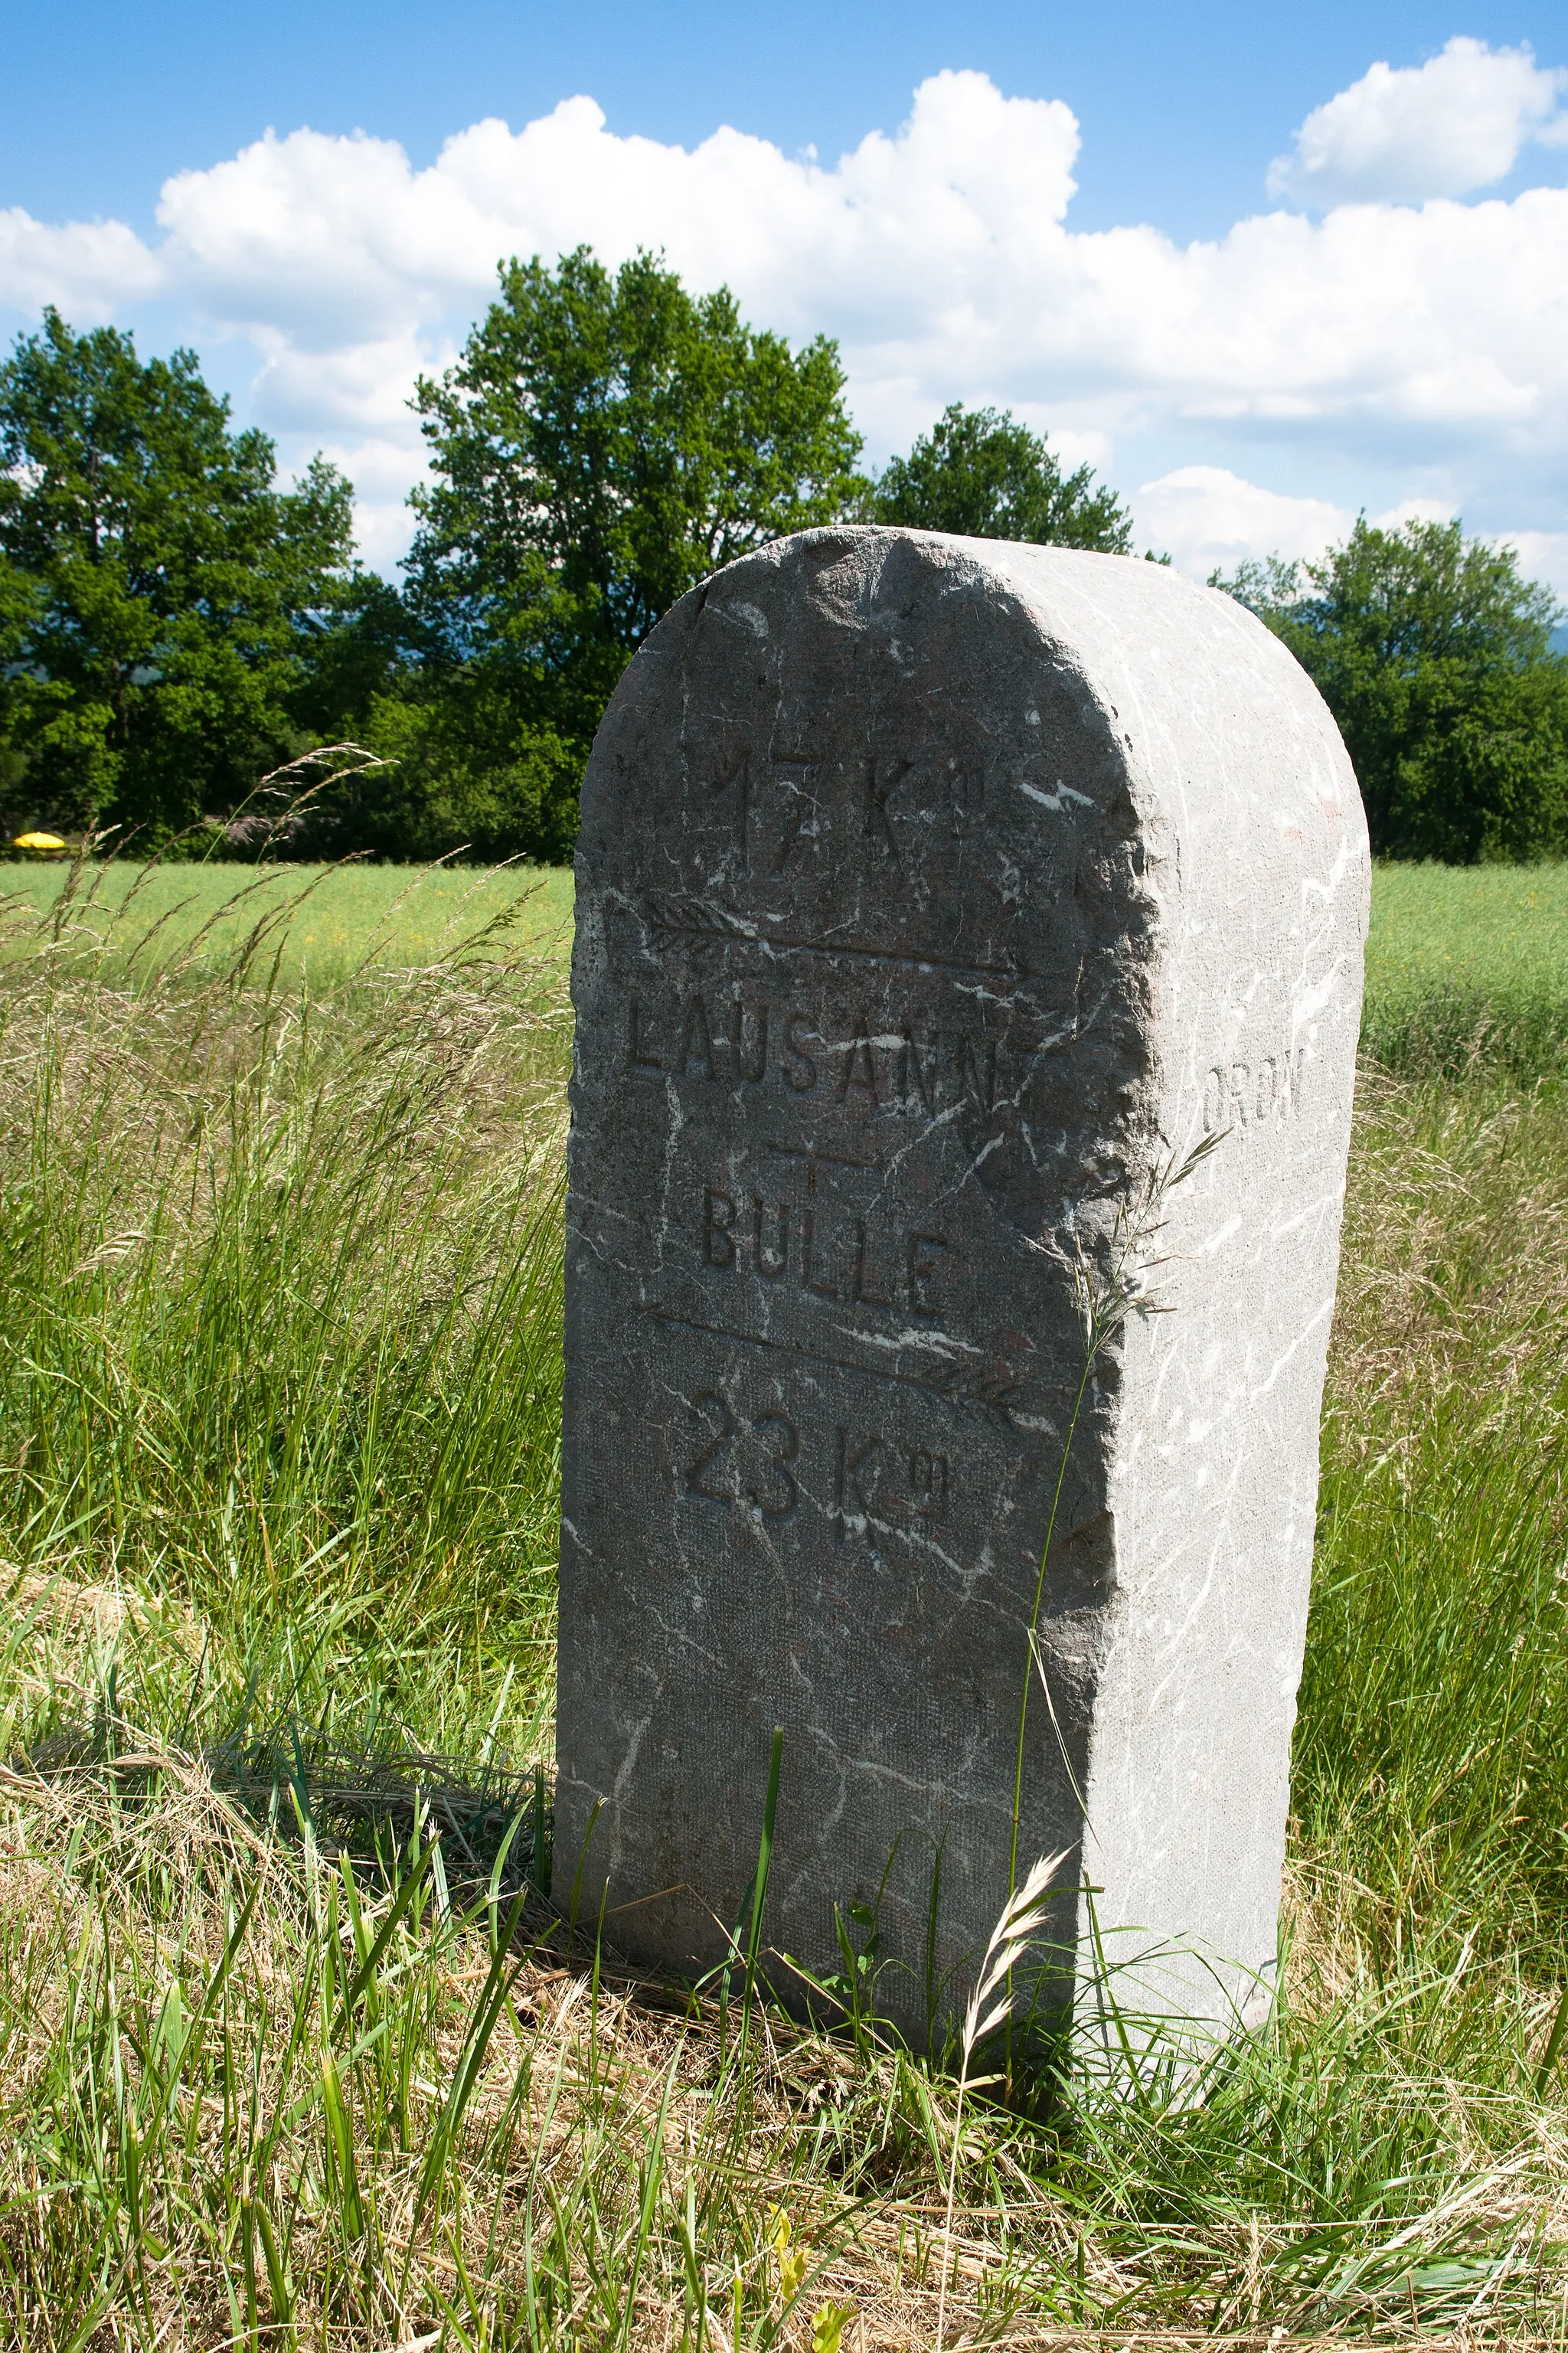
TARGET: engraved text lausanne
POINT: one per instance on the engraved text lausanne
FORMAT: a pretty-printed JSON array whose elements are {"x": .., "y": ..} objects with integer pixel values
[{"x": 916, "y": 1064}]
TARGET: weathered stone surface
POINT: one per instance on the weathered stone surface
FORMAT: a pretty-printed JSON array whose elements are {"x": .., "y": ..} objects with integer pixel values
[{"x": 933, "y": 896}]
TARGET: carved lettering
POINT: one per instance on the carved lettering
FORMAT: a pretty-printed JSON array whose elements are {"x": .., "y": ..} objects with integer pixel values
[
  {"x": 851, "y": 1501},
  {"x": 770, "y": 1264},
  {"x": 696, "y": 1040},
  {"x": 860, "y": 1288},
  {"x": 910, "y": 1066},
  {"x": 859, "y": 1064},
  {"x": 757, "y": 1463},
  {"x": 833, "y": 1256},
  {"x": 1243, "y": 1095},
  {"x": 799, "y": 1069},
  {"x": 812, "y": 1282},
  {"x": 882, "y": 778},
  {"x": 917, "y": 1075},
  {"x": 784, "y": 1445},
  {"x": 737, "y": 780},
  {"x": 637, "y": 1056},
  {"x": 694, "y": 1481},
  {"x": 718, "y": 1228},
  {"x": 770, "y": 826},
  {"x": 749, "y": 1052},
  {"x": 796, "y": 776},
  {"x": 921, "y": 1264},
  {"x": 929, "y": 1482}
]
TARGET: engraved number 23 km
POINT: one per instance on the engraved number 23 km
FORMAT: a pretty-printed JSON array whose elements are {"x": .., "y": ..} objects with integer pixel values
[
  {"x": 871, "y": 1478},
  {"x": 781, "y": 1440}
]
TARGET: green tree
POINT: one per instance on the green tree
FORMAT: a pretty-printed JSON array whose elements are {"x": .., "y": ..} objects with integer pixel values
[
  {"x": 604, "y": 444},
  {"x": 979, "y": 472},
  {"x": 18, "y": 610},
  {"x": 175, "y": 602},
  {"x": 1433, "y": 652}
]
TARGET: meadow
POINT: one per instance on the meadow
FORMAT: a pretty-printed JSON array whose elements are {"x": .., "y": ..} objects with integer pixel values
[
  {"x": 295, "y": 2052},
  {"x": 1468, "y": 967},
  {"x": 1465, "y": 966},
  {"x": 322, "y": 923}
]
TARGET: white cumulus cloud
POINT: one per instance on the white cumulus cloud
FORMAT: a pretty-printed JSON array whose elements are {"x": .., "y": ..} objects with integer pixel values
[
  {"x": 1543, "y": 555},
  {"x": 98, "y": 266},
  {"x": 1209, "y": 518},
  {"x": 1403, "y": 134},
  {"x": 1428, "y": 347}
]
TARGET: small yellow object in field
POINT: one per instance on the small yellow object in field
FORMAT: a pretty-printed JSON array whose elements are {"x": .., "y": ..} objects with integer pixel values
[{"x": 50, "y": 844}]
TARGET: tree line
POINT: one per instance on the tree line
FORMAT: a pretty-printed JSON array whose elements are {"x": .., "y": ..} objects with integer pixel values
[{"x": 175, "y": 625}]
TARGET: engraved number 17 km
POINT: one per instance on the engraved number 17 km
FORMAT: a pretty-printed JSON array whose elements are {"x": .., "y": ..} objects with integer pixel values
[{"x": 792, "y": 811}]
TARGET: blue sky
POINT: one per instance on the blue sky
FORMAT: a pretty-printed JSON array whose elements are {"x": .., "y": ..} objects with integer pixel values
[
  {"x": 1068, "y": 210},
  {"x": 1183, "y": 108}
]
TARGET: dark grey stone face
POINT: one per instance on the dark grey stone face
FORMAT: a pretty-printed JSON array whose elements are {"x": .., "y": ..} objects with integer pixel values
[
  {"x": 867, "y": 972},
  {"x": 859, "y": 1004}
]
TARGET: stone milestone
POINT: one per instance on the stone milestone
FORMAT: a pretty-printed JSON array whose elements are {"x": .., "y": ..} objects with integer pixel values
[{"x": 937, "y": 897}]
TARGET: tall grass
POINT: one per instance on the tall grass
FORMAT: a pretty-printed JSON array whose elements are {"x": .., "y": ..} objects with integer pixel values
[
  {"x": 279, "y": 1284},
  {"x": 294, "y": 2053},
  {"x": 1467, "y": 971},
  {"x": 1433, "y": 1738}
]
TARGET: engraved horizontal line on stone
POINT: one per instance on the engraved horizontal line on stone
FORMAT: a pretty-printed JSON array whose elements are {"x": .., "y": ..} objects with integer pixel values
[
  {"x": 813, "y": 1152},
  {"x": 697, "y": 924},
  {"x": 948, "y": 1383}
]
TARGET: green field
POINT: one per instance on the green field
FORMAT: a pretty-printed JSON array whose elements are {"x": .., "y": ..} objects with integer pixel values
[
  {"x": 327, "y": 922},
  {"x": 1466, "y": 967},
  {"x": 294, "y": 2056}
]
